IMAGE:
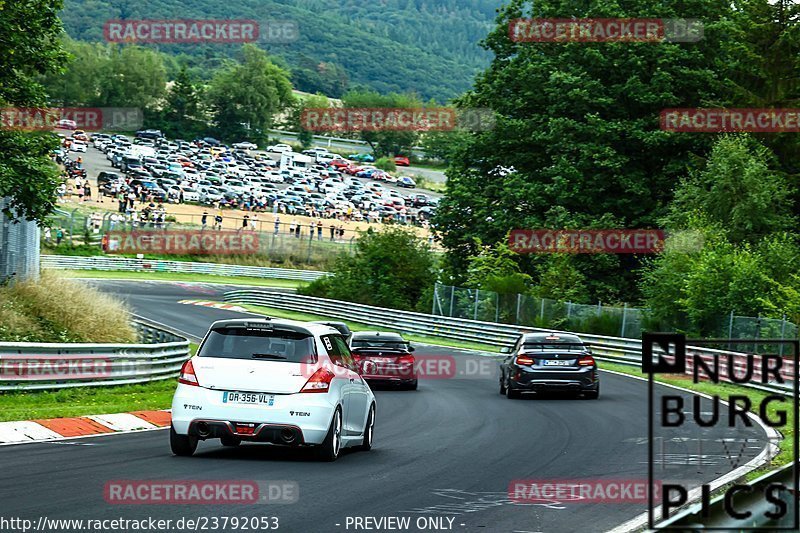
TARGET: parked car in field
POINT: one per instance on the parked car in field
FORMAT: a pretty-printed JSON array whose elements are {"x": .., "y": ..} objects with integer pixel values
[
  {"x": 401, "y": 161},
  {"x": 279, "y": 148}
]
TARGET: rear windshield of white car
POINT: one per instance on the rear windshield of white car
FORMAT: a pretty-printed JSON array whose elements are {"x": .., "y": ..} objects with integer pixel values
[{"x": 241, "y": 343}]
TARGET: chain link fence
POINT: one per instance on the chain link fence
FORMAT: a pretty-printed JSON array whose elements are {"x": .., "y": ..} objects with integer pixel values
[
  {"x": 617, "y": 321},
  {"x": 19, "y": 247}
]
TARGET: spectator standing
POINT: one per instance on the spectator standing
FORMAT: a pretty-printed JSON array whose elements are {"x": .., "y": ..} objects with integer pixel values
[
  {"x": 291, "y": 228},
  {"x": 59, "y": 236},
  {"x": 254, "y": 222},
  {"x": 87, "y": 191},
  {"x": 204, "y": 219},
  {"x": 218, "y": 221},
  {"x": 319, "y": 230},
  {"x": 245, "y": 222},
  {"x": 48, "y": 235},
  {"x": 333, "y": 231}
]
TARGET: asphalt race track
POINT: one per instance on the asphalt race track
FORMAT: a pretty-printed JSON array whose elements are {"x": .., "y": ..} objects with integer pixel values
[{"x": 449, "y": 450}]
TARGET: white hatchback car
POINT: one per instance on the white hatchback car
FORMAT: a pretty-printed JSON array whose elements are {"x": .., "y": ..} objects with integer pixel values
[{"x": 274, "y": 381}]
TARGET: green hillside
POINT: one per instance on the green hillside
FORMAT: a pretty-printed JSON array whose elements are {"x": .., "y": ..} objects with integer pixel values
[{"x": 426, "y": 46}]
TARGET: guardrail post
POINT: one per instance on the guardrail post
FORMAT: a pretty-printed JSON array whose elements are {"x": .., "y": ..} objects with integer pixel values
[
  {"x": 452, "y": 296},
  {"x": 519, "y": 298},
  {"x": 497, "y": 307},
  {"x": 783, "y": 333},
  {"x": 624, "y": 318},
  {"x": 475, "y": 307}
]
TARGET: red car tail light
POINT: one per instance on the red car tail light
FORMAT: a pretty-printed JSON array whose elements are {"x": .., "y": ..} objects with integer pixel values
[
  {"x": 524, "y": 360},
  {"x": 320, "y": 381},
  {"x": 187, "y": 375},
  {"x": 586, "y": 360},
  {"x": 405, "y": 360}
]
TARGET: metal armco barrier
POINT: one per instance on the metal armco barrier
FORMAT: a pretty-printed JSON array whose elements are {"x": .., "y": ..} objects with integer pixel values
[
  {"x": 48, "y": 366},
  {"x": 616, "y": 349},
  {"x": 151, "y": 265}
]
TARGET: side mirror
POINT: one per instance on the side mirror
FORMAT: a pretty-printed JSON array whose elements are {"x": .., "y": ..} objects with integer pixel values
[
  {"x": 505, "y": 349},
  {"x": 411, "y": 348}
]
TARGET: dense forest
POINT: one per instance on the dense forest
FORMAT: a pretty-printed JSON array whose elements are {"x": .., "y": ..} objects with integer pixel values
[{"x": 430, "y": 47}]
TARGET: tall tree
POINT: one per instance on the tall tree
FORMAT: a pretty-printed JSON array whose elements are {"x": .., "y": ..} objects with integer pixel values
[
  {"x": 182, "y": 112},
  {"x": 134, "y": 77},
  {"x": 578, "y": 131},
  {"x": 246, "y": 96},
  {"x": 385, "y": 142},
  {"x": 30, "y": 47}
]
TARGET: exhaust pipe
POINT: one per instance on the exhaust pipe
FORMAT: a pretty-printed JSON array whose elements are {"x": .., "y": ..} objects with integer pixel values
[
  {"x": 287, "y": 435},
  {"x": 203, "y": 430}
]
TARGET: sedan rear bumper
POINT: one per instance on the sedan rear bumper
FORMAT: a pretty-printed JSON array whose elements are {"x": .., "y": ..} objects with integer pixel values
[{"x": 576, "y": 380}]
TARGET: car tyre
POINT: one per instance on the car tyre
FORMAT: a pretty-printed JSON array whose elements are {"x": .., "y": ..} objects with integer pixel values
[
  {"x": 230, "y": 441},
  {"x": 369, "y": 429},
  {"x": 502, "y": 385},
  {"x": 332, "y": 445},
  {"x": 414, "y": 385},
  {"x": 512, "y": 393},
  {"x": 181, "y": 445},
  {"x": 592, "y": 394}
]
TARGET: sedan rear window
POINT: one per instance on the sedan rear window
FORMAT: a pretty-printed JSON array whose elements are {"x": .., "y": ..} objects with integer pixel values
[
  {"x": 379, "y": 343},
  {"x": 242, "y": 343}
]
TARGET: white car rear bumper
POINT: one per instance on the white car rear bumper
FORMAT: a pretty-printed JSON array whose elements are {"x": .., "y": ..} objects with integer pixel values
[{"x": 306, "y": 416}]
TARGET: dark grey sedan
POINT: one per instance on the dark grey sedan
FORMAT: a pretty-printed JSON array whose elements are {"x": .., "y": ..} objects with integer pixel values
[{"x": 549, "y": 362}]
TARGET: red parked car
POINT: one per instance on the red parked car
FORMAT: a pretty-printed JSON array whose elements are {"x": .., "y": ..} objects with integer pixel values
[
  {"x": 401, "y": 161},
  {"x": 384, "y": 358}
]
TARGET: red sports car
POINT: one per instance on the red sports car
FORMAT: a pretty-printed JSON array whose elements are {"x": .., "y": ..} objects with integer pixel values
[
  {"x": 384, "y": 358},
  {"x": 401, "y": 161}
]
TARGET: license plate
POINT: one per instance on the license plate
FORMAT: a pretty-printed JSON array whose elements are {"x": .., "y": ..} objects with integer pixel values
[
  {"x": 556, "y": 362},
  {"x": 248, "y": 398}
]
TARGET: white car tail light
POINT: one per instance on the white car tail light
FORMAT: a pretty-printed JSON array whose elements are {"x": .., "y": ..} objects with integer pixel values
[
  {"x": 320, "y": 381},
  {"x": 187, "y": 375}
]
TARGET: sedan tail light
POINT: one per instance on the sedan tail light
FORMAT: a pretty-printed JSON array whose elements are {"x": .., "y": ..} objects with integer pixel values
[
  {"x": 320, "y": 381},
  {"x": 586, "y": 360},
  {"x": 405, "y": 360},
  {"x": 524, "y": 360},
  {"x": 187, "y": 375}
]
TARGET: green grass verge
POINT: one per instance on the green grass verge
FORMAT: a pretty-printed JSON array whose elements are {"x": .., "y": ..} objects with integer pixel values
[
  {"x": 80, "y": 401},
  {"x": 178, "y": 276},
  {"x": 724, "y": 390},
  {"x": 357, "y": 326}
]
